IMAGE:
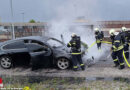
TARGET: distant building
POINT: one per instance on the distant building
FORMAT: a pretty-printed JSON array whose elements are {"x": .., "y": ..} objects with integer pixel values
[
  {"x": 104, "y": 25},
  {"x": 107, "y": 25},
  {"x": 39, "y": 29},
  {"x": 22, "y": 29}
]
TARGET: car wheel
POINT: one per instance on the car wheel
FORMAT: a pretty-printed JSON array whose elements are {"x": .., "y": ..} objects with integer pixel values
[
  {"x": 63, "y": 63},
  {"x": 5, "y": 62}
]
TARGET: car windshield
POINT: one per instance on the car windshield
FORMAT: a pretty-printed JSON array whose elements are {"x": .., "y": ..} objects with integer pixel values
[{"x": 54, "y": 43}]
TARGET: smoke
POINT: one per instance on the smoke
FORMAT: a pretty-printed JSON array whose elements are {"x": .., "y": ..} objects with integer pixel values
[
  {"x": 64, "y": 23},
  {"x": 72, "y": 9}
]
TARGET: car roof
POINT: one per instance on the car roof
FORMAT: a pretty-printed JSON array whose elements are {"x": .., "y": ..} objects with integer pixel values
[{"x": 39, "y": 38}]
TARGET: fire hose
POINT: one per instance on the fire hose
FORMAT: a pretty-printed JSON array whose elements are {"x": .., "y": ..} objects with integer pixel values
[
  {"x": 126, "y": 59},
  {"x": 110, "y": 43}
]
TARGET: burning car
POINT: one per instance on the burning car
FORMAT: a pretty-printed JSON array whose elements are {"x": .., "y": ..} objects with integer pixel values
[{"x": 35, "y": 51}]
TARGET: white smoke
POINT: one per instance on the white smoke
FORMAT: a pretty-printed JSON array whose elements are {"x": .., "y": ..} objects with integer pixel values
[
  {"x": 71, "y": 9},
  {"x": 64, "y": 23}
]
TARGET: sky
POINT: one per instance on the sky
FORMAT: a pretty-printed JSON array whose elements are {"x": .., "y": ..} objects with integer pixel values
[{"x": 48, "y": 10}]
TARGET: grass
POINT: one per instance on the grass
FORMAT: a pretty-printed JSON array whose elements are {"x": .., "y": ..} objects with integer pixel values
[
  {"x": 54, "y": 83},
  {"x": 94, "y": 85}
]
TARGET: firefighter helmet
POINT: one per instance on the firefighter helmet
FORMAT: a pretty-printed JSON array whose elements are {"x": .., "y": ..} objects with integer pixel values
[
  {"x": 96, "y": 29},
  {"x": 123, "y": 29},
  {"x": 112, "y": 31},
  {"x": 73, "y": 35}
]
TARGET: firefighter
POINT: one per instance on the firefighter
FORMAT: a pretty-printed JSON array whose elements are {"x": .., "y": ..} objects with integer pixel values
[
  {"x": 117, "y": 50},
  {"x": 112, "y": 36},
  {"x": 102, "y": 35},
  {"x": 75, "y": 45},
  {"x": 126, "y": 49},
  {"x": 125, "y": 41},
  {"x": 99, "y": 36}
]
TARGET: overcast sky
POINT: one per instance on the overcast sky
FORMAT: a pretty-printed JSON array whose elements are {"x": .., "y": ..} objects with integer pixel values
[{"x": 47, "y": 10}]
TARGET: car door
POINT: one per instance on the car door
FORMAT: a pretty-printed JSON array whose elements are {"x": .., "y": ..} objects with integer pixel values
[
  {"x": 41, "y": 54},
  {"x": 18, "y": 52}
]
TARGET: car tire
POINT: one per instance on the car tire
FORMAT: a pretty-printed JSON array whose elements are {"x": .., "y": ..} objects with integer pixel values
[
  {"x": 63, "y": 63},
  {"x": 6, "y": 62}
]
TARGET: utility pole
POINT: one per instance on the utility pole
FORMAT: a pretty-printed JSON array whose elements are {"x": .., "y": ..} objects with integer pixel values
[
  {"x": 22, "y": 33},
  {"x": 12, "y": 24}
]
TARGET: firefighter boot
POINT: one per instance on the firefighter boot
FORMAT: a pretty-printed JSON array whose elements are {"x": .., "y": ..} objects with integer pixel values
[
  {"x": 122, "y": 67},
  {"x": 75, "y": 68},
  {"x": 116, "y": 65},
  {"x": 83, "y": 67}
]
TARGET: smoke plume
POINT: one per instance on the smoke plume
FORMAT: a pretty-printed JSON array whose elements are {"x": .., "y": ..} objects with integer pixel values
[{"x": 64, "y": 23}]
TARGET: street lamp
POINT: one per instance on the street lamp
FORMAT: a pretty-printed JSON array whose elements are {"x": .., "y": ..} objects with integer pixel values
[{"x": 12, "y": 24}]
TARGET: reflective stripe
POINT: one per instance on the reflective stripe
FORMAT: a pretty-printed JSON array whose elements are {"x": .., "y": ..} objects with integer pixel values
[
  {"x": 116, "y": 41},
  {"x": 74, "y": 43},
  {"x": 98, "y": 41},
  {"x": 126, "y": 37},
  {"x": 75, "y": 66},
  {"x": 114, "y": 47},
  {"x": 81, "y": 64},
  {"x": 122, "y": 63},
  {"x": 75, "y": 53},
  {"x": 69, "y": 44},
  {"x": 115, "y": 60},
  {"x": 119, "y": 48}
]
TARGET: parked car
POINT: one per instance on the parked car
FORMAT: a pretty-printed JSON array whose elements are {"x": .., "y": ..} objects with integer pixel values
[{"x": 35, "y": 51}]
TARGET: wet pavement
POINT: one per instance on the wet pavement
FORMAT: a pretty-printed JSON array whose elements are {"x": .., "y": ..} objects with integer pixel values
[{"x": 99, "y": 69}]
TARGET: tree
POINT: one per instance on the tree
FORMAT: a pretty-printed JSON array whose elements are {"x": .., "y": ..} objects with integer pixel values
[{"x": 32, "y": 21}]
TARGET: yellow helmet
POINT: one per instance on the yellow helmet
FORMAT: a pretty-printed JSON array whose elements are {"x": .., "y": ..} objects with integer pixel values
[
  {"x": 96, "y": 29},
  {"x": 112, "y": 31},
  {"x": 123, "y": 28}
]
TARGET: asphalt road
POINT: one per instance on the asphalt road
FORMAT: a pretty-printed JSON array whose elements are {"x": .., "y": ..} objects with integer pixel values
[{"x": 99, "y": 69}]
